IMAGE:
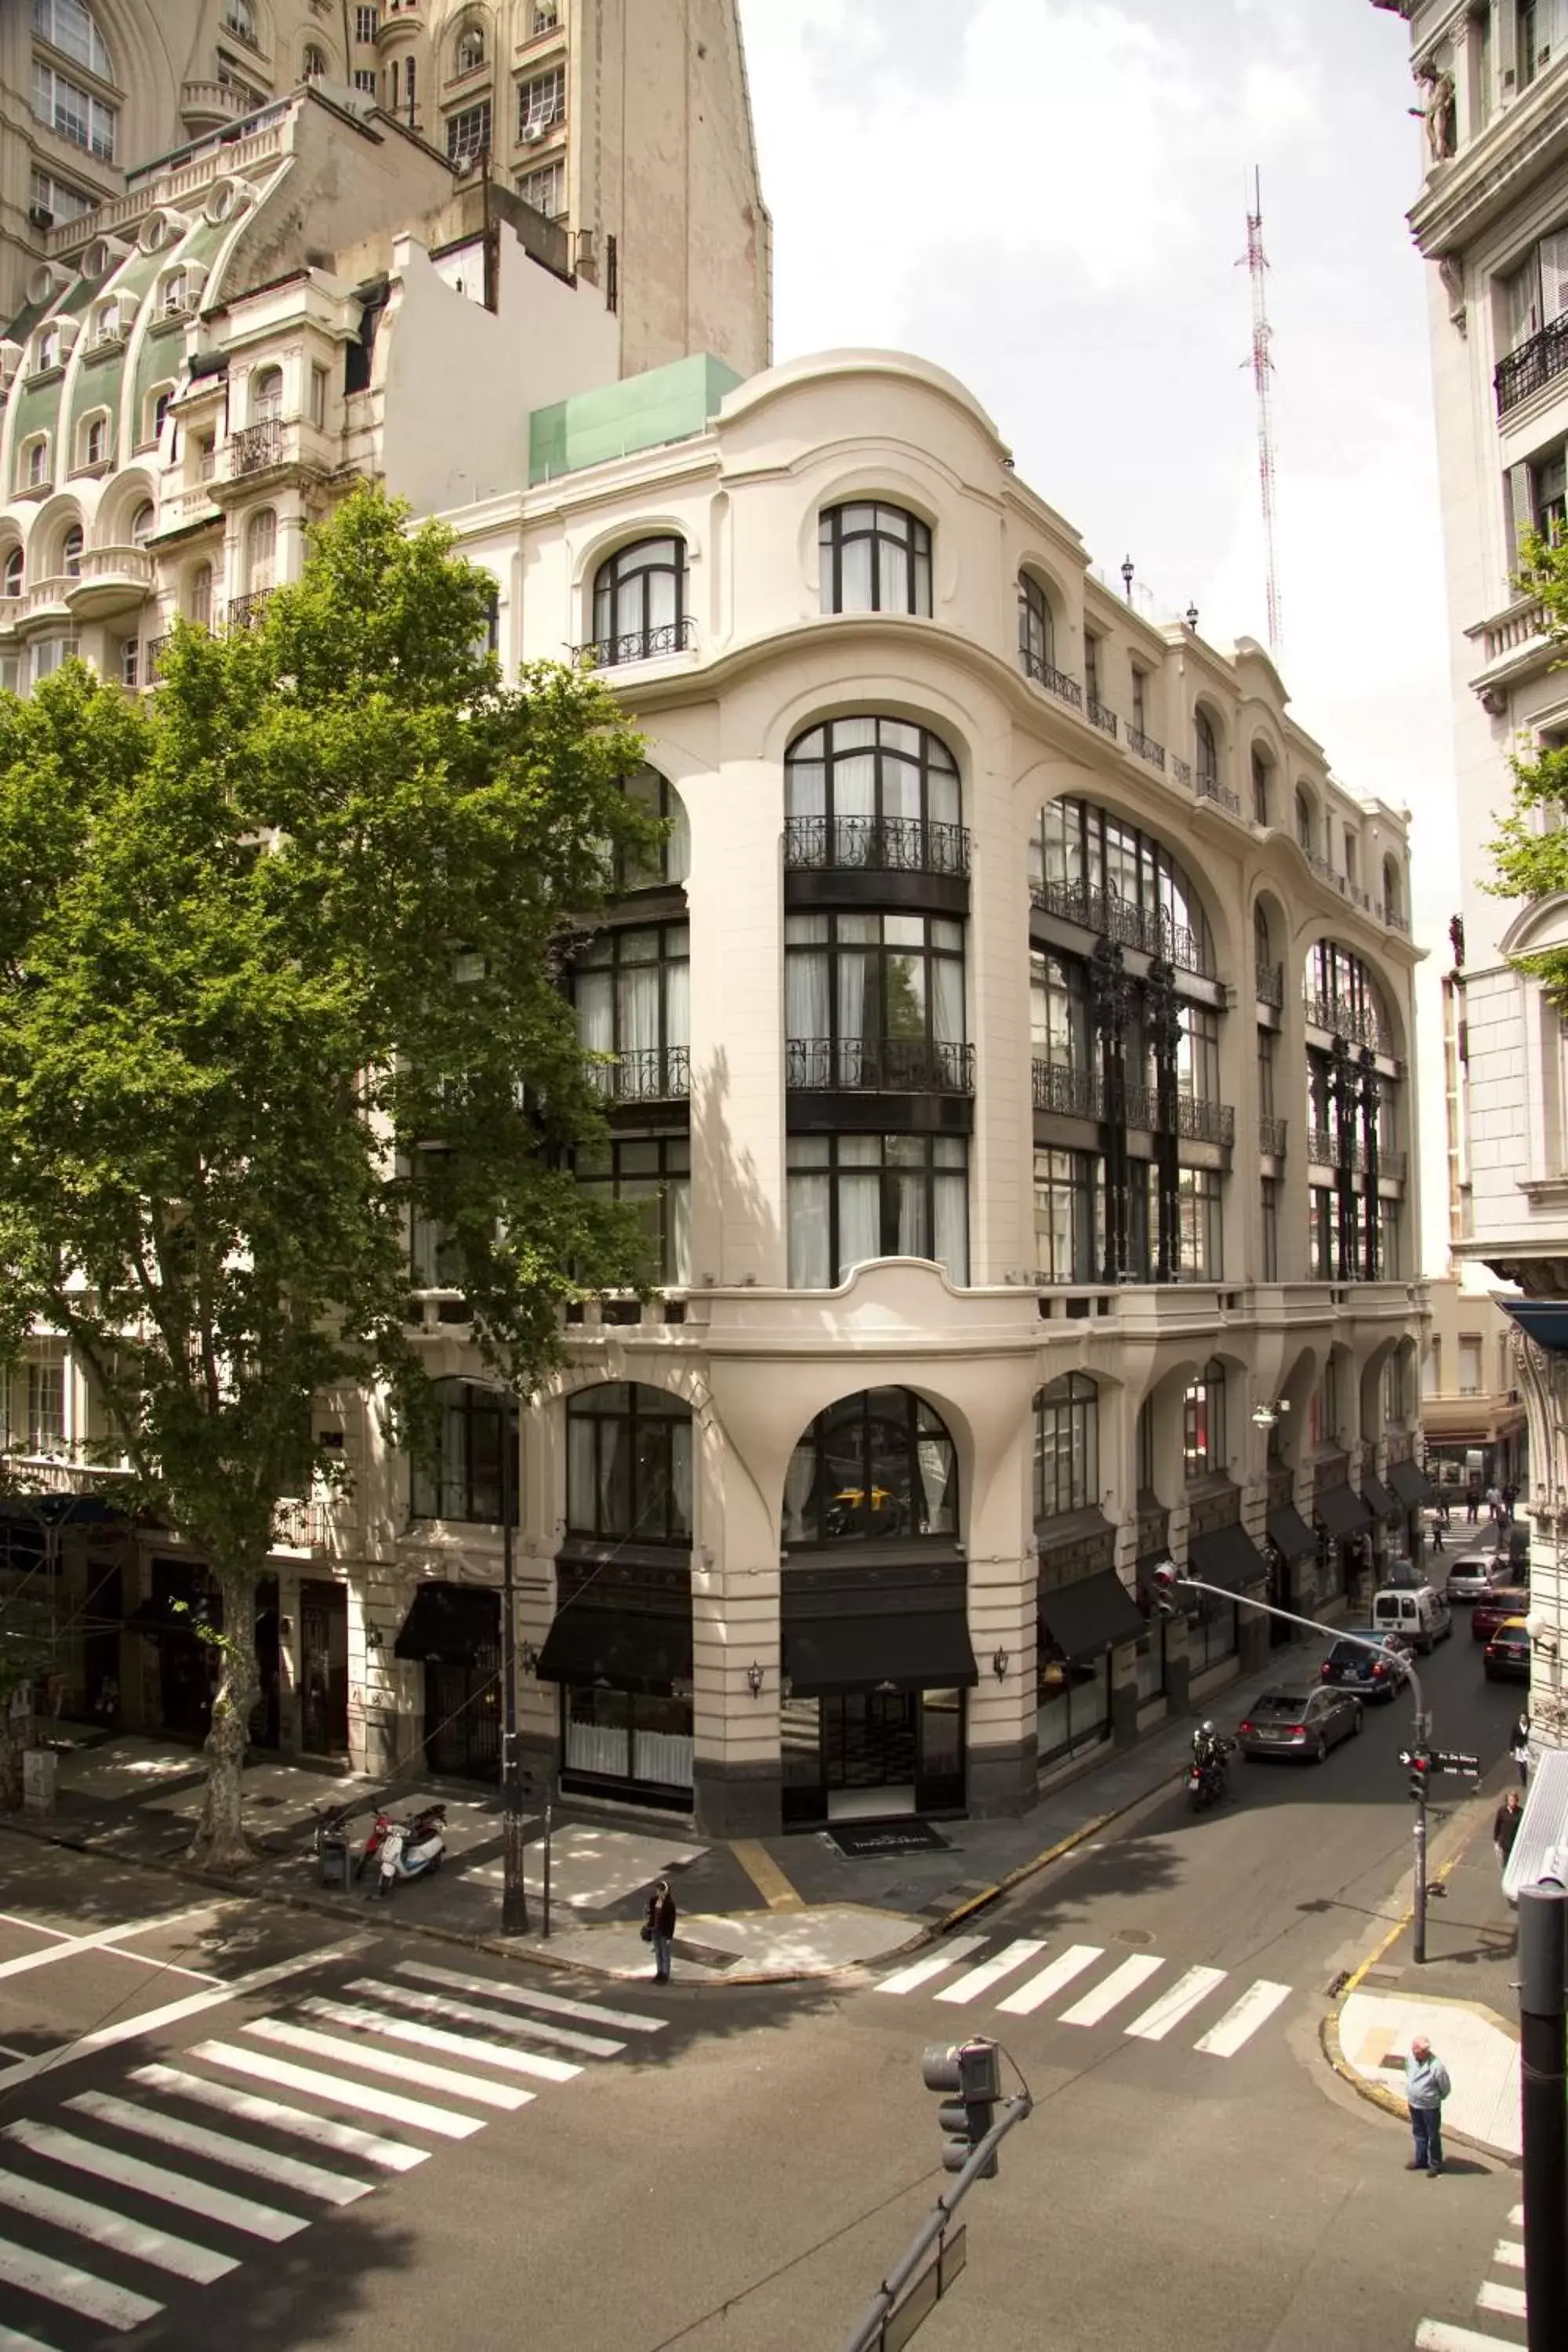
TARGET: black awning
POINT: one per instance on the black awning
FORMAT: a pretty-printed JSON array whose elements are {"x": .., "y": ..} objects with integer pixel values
[
  {"x": 449, "y": 1623},
  {"x": 60, "y": 1511},
  {"x": 628, "y": 1649},
  {"x": 1411, "y": 1483},
  {"x": 1227, "y": 1555},
  {"x": 1290, "y": 1533},
  {"x": 907, "y": 1650},
  {"x": 1377, "y": 1498},
  {"x": 1084, "y": 1618},
  {"x": 1343, "y": 1513}
]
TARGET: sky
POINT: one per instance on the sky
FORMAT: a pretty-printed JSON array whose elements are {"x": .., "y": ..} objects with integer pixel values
[{"x": 1049, "y": 198}]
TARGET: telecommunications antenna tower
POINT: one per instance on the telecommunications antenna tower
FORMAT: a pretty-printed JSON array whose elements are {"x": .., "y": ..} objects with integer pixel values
[{"x": 1262, "y": 368}]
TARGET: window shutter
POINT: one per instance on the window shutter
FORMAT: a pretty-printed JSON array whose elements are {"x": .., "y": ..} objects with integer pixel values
[
  {"x": 1524, "y": 309},
  {"x": 1520, "y": 514},
  {"x": 1553, "y": 276}
]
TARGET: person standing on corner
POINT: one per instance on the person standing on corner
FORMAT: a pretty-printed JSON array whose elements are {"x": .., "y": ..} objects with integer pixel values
[
  {"x": 661, "y": 1916},
  {"x": 1426, "y": 2085},
  {"x": 1505, "y": 1826},
  {"x": 1519, "y": 1748}
]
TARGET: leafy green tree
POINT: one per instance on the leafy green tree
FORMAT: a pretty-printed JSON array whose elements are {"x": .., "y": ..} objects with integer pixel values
[
  {"x": 278, "y": 967},
  {"x": 1532, "y": 844}
]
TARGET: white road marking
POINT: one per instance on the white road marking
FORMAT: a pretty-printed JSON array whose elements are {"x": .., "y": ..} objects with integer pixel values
[
  {"x": 238, "y": 2155},
  {"x": 455, "y": 2045},
  {"x": 1058, "y": 1972},
  {"x": 1507, "y": 2255},
  {"x": 1516, "y": 2217},
  {"x": 979, "y": 1980},
  {"x": 33, "y": 1927},
  {"x": 104, "y": 1937},
  {"x": 553, "y": 2004},
  {"x": 1255, "y": 2008},
  {"x": 1180, "y": 2001},
  {"x": 171, "y": 2188},
  {"x": 435, "y": 2004},
  {"x": 1438, "y": 2336},
  {"x": 173, "y": 2012},
  {"x": 337, "y": 2089},
  {"x": 63, "y": 2211},
  {"x": 1510, "y": 2300},
  {"x": 79, "y": 2291},
  {"x": 348, "y": 2139},
  {"x": 1115, "y": 1988},
  {"x": 920, "y": 1972},
  {"x": 12, "y": 2340},
  {"x": 344, "y": 2052}
]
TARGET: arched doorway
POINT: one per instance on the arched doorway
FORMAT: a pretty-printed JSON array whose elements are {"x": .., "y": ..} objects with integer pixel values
[{"x": 877, "y": 1656}]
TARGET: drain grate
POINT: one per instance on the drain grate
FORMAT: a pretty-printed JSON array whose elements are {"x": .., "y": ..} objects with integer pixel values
[{"x": 1139, "y": 1937}]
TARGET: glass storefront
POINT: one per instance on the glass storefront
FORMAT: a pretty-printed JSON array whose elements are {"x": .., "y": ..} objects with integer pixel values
[
  {"x": 1214, "y": 1634},
  {"x": 850, "y": 1755},
  {"x": 1073, "y": 1702},
  {"x": 637, "y": 1742}
]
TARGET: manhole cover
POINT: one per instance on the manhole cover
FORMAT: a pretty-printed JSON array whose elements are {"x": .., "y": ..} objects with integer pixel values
[{"x": 1140, "y": 1937}]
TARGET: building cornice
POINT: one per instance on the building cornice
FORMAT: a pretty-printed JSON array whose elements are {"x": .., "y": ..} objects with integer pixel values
[{"x": 1467, "y": 195}]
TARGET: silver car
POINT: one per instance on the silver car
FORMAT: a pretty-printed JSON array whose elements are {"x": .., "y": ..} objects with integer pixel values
[
  {"x": 1298, "y": 1723},
  {"x": 1477, "y": 1572}
]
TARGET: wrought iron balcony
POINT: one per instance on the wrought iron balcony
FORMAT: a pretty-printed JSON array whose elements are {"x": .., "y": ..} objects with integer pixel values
[
  {"x": 1272, "y": 1136},
  {"x": 1103, "y": 719},
  {"x": 244, "y": 612},
  {"x": 1071, "y": 1094},
  {"x": 1394, "y": 920},
  {"x": 650, "y": 1074},
  {"x": 1149, "y": 929},
  {"x": 1146, "y": 748},
  {"x": 1181, "y": 770},
  {"x": 1208, "y": 787},
  {"x": 897, "y": 1065},
  {"x": 1190, "y": 1117},
  {"x": 1055, "y": 681},
  {"x": 1535, "y": 362},
  {"x": 640, "y": 645},
  {"x": 875, "y": 844},
  {"x": 256, "y": 446},
  {"x": 1358, "y": 1023},
  {"x": 1326, "y": 1149},
  {"x": 1271, "y": 985}
]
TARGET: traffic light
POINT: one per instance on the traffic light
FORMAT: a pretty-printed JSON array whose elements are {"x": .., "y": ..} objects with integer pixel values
[
  {"x": 969, "y": 2074},
  {"x": 1420, "y": 1775},
  {"x": 1166, "y": 1587}
]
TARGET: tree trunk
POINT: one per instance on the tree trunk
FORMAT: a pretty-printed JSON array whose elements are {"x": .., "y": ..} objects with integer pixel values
[{"x": 220, "y": 1841}]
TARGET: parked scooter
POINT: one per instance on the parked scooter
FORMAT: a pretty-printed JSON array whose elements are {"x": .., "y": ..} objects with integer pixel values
[{"x": 407, "y": 1849}]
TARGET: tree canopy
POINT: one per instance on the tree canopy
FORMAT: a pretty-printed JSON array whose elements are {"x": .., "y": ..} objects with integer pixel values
[{"x": 279, "y": 952}]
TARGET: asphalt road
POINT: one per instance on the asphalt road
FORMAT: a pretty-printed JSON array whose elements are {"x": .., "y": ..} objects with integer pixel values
[{"x": 711, "y": 2168}]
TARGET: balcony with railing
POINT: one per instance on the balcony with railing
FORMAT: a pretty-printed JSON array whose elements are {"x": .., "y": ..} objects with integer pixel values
[
  {"x": 257, "y": 447},
  {"x": 649, "y": 1074},
  {"x": 111, "y": 581},
  {"x": 1270, "y": 985},
  {"x": 1181, "y": 770},
  {"x": 1100, "y": 717},
  {"x": 1534, "y": 364},
  {"x": 894, "y": 1066},
  {"x": 1208, "y": 787},
  {"x": 1109, "y": 916},
  {"x": 640, "y": 645},
  {"x": 1146, "y": 748},
  {"x": 1272, "y": 1136},
  {"x": 1055, "y": 681},
  {"x": 244, "y": 612},
  {"x": 1392, "y": 919},
  {"x": 1080, "y": 1094},
  {"x": 875, "y": 844},
  {"x": 1069, "y": 1094},
  {"x": 299, "y": 1523},
  {"x": 1327, "y": 1149},
  {"x": 1339, "y": 1018}
]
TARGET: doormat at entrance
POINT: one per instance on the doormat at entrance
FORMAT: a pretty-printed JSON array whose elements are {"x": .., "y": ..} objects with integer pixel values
[{"x": 867, "y": 1841}]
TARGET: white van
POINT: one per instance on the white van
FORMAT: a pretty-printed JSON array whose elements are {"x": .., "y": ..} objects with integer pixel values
[{"x": 1419, "y": 1611}]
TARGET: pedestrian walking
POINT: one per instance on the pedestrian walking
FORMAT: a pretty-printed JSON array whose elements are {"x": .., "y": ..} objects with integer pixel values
[
  {"x": 1426, "y": 2085},
  {"x": 1505, "y": 1826},
  {"x": 1472, "y": 1505},
  {"x": 659, "y": 1930},
  {"x": 1519, "y": 1748},
  {"x": 1438, "y": 1532},
  {"x": 1494, "y": 1505},
  {"x": 1509, "y": 1496}
]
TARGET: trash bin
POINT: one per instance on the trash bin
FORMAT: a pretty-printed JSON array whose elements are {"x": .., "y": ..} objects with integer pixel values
[
  {"x": 41, "y": 1770},
  {"x": 333, "y": 1858}
]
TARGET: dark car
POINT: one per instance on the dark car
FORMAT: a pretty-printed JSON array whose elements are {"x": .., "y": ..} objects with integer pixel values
[
  {"x": 1477, "y": 1572},
  {"x": 1505, "y": 1658},
  {"x": 1503, "y": 1600},
  {"x": 1350, "y": 1668},
  {"x": 1299, "y": 1722}
]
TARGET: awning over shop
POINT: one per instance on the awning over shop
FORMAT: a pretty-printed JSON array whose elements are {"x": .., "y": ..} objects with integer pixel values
[
  {"x": 1544, "y": 1320},
  {"x": 449, "y": 1623},
  {"x": 628, "y": 1649},
  {"x": 1377, "y": 1498},
  {"x": 60, "y": 1511},
  {"x": 1343, "y": 1513},
  {"x": 1084, "y": 1618},
  {"x": 1228, "y": 1556},
  {"x": 1290, "y": 1533},
  {"x": 926, "y": 1649},
  {"x": 1411, "y": 1483},
  {"x": 1540, "y": 1849}
]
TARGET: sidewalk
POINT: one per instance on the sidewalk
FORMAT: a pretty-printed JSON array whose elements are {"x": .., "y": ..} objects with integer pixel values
[
  {"x": 1462, "y": 1997},
  {"x": 768, "y": 1910}
]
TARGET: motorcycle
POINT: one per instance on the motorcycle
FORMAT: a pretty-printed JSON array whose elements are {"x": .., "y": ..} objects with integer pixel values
[
  {"x": 1206, "y": 1782},
  {"x": 407, "y": 1849}
]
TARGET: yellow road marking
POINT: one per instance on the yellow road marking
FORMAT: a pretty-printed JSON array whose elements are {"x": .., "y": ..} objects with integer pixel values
[{"x": 765, "y": 1875}]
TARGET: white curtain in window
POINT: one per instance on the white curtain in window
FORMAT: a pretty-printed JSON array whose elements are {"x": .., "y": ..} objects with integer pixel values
[
  {"x": 913, "y": 1223},
  {"x": 855, "y": 785},
  {"x": 950, "y": 1237},
  {"x": 638, "y": 991},
  {"x": 680, "y": 1476},
  {"x": 678, "y": 1229},
  {"x": 947, "y": 1000},
  {"x": 859, "y": 1218},
  {"x": 593, "y": 995},
  {"x": 856, "y": 1015},
  {"x": 807, "y": 1199},
  {"x": 934, "y": 1455},
  {"x": 798, "y": 1480},
  {"x": 676, "y": 1002},
  {"x": 805, "y": 994},
  {"x": 855, "y": 576}
]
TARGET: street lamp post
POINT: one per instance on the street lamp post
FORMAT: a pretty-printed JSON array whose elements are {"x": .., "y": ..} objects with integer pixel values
[{"x": 514, "y": 1890}]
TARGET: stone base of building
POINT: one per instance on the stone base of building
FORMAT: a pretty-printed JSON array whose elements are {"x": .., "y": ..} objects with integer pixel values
[
  {"x": 1003, "y": 1782},
  {"x": 737, "y": 1801}
]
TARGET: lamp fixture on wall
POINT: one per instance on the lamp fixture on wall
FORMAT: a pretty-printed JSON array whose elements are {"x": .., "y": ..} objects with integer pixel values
[
  {"x": 373, "y": 1637},
  {"x": 528, "y": 1657},
  {"x": 1543, "y": 1635},
  {"x": 999, "y": 1665},
  {"x": 1264, "y": 1415},
  {"x": 754, "y": 1679}
]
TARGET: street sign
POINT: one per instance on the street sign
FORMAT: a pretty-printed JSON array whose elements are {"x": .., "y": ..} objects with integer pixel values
[
  {"x": 1450, "y": 1760},
  {"x": 923, "y": 2298}
]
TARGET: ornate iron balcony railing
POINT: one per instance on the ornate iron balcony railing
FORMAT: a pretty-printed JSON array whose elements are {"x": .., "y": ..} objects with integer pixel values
[
  {"x": 1535, "y": 362},
  {"x": 1209, "y": 788},
  {"x": 1271, "y": 985},
  {"x": 1272, "y": 1136},
  {"x": 1055, "y": 681},
  {"x": 875, "y": 844},
  {"x": 1103, "y": 719},
  {"x": 855, "y": 1066},
  {"x": 650, "y": 1074},
  {"x": 1146, "y": 748},
  {"x": 1109, "y": 917},
  {"x": 1071, "y": 1094},
  {"x": 640, "y": 645},
  {"x": 1080, "y": 1094},
  {"x": 256, "y": 446},
  {"x": 244, "y": 612},
  {"x": 1358, "y": 1023}
]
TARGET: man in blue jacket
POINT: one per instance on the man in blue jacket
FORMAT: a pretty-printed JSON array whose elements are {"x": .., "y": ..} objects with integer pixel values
[{"x": 1426, "y": 2085}]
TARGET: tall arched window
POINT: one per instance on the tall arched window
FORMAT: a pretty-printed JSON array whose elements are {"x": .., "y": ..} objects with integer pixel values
[
  {"x": 469, "y": 53},
  {"x": 1091, "y": 866},
  {"x": 199, "y": 598},
  {"x": 876, "y": 794},
  {"x": 1306, "y": 822},
  {"x": 460, "y": 1474},
  {"x": 880, "y": 1464},
  {"x": 1260, "y": 793},
  {"x": 1393, "y": 893},
  {"x": 1066, "y": 1446},
  {"x": 260, "y": 552},
  {"x": 1204, "y": 1445},
  {"x": 266, "y": 395},
  {"x": 14, "y": 572},
  {"x": 639, "y": 602},
  {"x": 629, "y": 1465},
  {"x": 1036, "y": 629},
  {"x": 141, "y": 523},
  {"x": 1262, "y": 944},
  {"x": 314, "y": 66},
  {"x": 874, "y": 559},
  {"x": 71, "y": 551},
  {"x": 1205, "y": 748},
  {"x": 70, "y": 27}
]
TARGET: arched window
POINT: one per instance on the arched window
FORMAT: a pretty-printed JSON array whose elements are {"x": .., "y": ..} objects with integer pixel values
[
  {"x": 1306, "y": 822},
  {"x": 1066, "y": 1446},
  {"x": 461, "y": 1475},
  {"x": 639, "y": 602},
  {"x": 1204, "y": 749},
  {"x": 95, "y": 441},
  {"x": 470, "y": 54},
  {"x": 874, "y": 559},
  {"x": 874, "y": 1003},
  {"x": 880, "y": 1464},
  {"x": 240, "y": 19},
  {"x": 70, "y": 27},
  {"x": 260, "y": 552},
  {"x": 47, "y": 354},
  {"x": 266, "y": 395},
  {"x": 1262, "y": 944},
  {"x": 141, "y": 523},
  {"x": 1393, "y": 894},
  {"x": 199, "y": 596},
  {"x": 70, "y": 552},
  {"x": 1204, "y": 1446},
  {"x": 14, "y": 572},
  {"x": 36, "y": 461},
  {"x": 314, "y": 66},
  {"x": 1345, "y": 998},
  {"x": 1260, "y": 794},
  {"x": 629, "y": 1465},
  {"x": 1036, "y": 629},
  {"x": 671, "y": 861},
  {"x": 1093, "y": 868},
  {"x": 873, "y": 794}
]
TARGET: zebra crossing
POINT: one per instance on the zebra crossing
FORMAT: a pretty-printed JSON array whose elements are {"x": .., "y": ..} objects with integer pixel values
[
  {"x": 230, "y": 2169},
  {"x": 1500, "y": 2301},
  {"x": 1096, "y": 2002}
]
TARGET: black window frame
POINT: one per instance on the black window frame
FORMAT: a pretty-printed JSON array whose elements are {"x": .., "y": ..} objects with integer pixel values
[
  {"x": 1080, "y": 1183},
  {"x": 604, "y": 1167},
  {"x": 606, "y": 950},
  {"x": 1066, "y": 1446},
  {"x": 1036, "y": 627},
  {"x": 928, "y": 1162},
  {"x": 1203, "y": 1434},
  {"x": 902, "y": 1063},
  {"x": 1261, "y": 768},
  {"x": 907, "y": 541},
  {"x": 885, "y": 837},
  {"x": 651, "y": 1415},
  {"x": 895, "y": 1519},
  {"x": 673, "y": 855},
  {"x": 633, "y": 567},
  {"x": 1077, "y": 844},
  {"x": 434, "y": 1482}
]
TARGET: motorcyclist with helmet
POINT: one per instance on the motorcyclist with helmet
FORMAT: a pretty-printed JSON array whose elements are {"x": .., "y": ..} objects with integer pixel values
[{"x": 1211, "y": 1751}]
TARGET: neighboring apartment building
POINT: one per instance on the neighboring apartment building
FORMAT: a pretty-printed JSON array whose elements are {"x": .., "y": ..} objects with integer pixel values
[
  {"x": 625, "y": 122},
  {"x": 1011, "y": 1050},
  {"x": 1492, "y": 218}
]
